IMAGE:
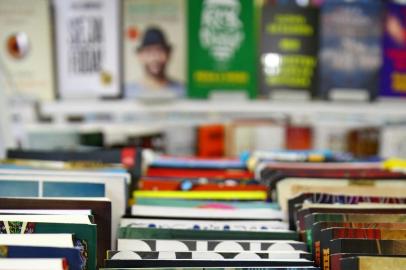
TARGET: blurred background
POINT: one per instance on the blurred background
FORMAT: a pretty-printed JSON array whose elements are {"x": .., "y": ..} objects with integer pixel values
[{"x": 211, "y": 78}]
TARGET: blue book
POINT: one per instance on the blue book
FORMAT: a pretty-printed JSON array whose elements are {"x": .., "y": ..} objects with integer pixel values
[
  {"x": 73, "y": 255},
  {"x": 350, "y": 46}
]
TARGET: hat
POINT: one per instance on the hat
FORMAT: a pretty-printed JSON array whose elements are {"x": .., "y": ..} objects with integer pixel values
[{"x": 154, "y": 36}]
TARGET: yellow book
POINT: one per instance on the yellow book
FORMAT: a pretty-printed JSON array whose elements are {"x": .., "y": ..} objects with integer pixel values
[{"x": 202, "y": 195}]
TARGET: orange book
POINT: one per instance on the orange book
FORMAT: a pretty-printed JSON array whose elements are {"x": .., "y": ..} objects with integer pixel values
[{"x": 211, "y": 140}]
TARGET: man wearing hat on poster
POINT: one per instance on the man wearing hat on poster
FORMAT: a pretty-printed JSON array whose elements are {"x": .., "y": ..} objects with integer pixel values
[{"x": 154, "y": 53}]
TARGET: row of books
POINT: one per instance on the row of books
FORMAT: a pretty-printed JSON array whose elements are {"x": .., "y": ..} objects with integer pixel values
[
  {"x": 231, "y": 137},
  {"x": 146, "y": 47},
  {"x": 185, "y": 212}
]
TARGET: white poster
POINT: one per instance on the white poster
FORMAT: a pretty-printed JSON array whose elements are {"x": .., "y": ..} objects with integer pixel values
[{"x": 87, "y": 39}]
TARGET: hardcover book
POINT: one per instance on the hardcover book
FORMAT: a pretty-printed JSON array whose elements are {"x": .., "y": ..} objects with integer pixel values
[
  {"x": 350, "y": 50},
  {"x": 154, "y": 48},
  {"x": 26, "y": 39},
  {"x": 87, "y": 38},
  {"x": 222, "y": 48},
  {"x": 101, "y": 210},
  {"x": 211, "y": 245},
  {"x": 289, "y": 48},
  {"x": 153, "y": 233},
  {"x": 206, "y": 255},
  {"x": 393, "y": 72}
]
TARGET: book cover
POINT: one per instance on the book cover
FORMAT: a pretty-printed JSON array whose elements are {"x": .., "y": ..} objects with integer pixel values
[
  {"x": 393, "y": 71},
  {"x": 85, "y": 235},
  {"x": 205, "y": 255},
  {"x": 289, "y": 48},
  {"x": 211, "y": 140},
  {"x": 154, "y": 52},
  {"x": 367, "y": 246},
  {"x": 350, "y": 49},
  {"x": 329, "y": 234},
  {"x": 204, "y": 195},
  {"x": 87, "y": 40},
  {"x": 222, "y": 48},
  {"x": 33, "y": 264},
  {"x": 216, "y": 225},
  {"x": 153, "y": 233},
  {"x": 336, "y": 199},
  {"x": 211, "y": 245},
  {"x": 72, "y": 255},
  {"x": 101, "y": 210},
  {"x": 26, "y": 40}
]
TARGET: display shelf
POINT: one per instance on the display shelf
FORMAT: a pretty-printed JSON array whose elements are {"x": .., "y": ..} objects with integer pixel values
[{"x": 60, "y": 111}]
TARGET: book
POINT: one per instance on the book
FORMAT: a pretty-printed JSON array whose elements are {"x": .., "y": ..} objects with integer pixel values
[
  {"x": 38, "y": 240},
  {"x": 33, "y": 264},
  {"x": 87, "y": 38},
  {"x": 27, "y": 43},
  {"x": 198, "y": 224},
  {"x": 329, "y": 198},
  {"x": 290, "y": 187},
  {"x": 203, "y": 195},
  {"x": 373, "y": 263},
  {"x": 202, "y": 255},
  {"x": 198, "y": 184},
  {"x": 222, "y": 48},
  {"x": 207, "y": 263},
  {"x": 66, "y": 186},
  {"x": 368, "y": 246},
  {"x": 72, "y": 255},
  {"x": 153, "y": 233},
  {"x": 394, "y": 45},
  {"x": 202, "y": 213},
  {"x": 154, "y": 46},
  {"x": 350, "y": 48},
  {"x": 101, "y": 211},
  {"x": 85, "y": 234},
  {"x": 211, "y": 140},
  {"x": 210, "y": 245},
  {"x": 330, "y": 234},
  {"x": 288, "y": 50},
  {"x": 225, "y": 268}
]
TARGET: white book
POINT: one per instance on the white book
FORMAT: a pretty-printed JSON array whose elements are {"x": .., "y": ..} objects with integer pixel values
[
  {"x": 66, "y": 219},
  {"x": 31, "y": 264},
  {"x": 173, "y": 212},
  {"x": 211, "y": 245},
  {"x": 114, "y": 189},
  {"x": 87, "y": 38},
  {"x": 60, "y": 240},
  {"x": 73, "y": 212},
  {"x": 233, "y": 225}
]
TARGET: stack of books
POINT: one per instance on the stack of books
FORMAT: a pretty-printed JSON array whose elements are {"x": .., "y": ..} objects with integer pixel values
[{"x": 196, "y": 212}]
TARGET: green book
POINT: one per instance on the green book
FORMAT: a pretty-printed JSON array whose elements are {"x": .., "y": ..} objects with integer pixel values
[
  {"x": 202, "y": 203},
  {"x": 153, "y": 233},
  {"x": 84, "y": 233},
  {"x": 222, "y": 47}
]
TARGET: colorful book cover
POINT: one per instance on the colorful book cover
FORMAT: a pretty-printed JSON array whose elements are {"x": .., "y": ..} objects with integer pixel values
[
  {"x": 289, "y": 48},
  {"x": 211, "y": 245},
  {"x": 222, "y": 48},
  {"x": 154, "y": 54},
  {"x": 336, "y": 199},
  {"x": 153, "y": 233},
  {"x": 87, "y": 40},
  {"x": 350, "y": 49},
  {"x": 85, "y": 235},
  {"x": 329, "y": 234},
  {"x": 393, "y": 75},
  {"x": 26, "y": 40},
  {"x": 211, "y": 140},
  {"x": 368, "y": 246}
]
